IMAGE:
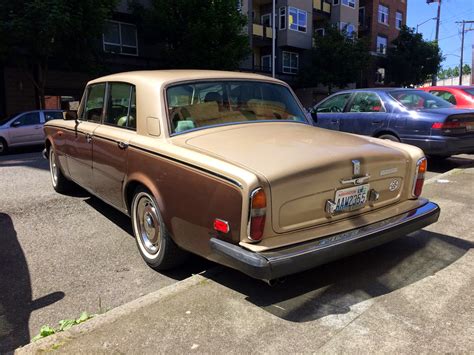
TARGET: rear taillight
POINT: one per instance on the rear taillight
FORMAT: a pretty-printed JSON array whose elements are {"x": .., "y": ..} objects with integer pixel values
[
  {"x": 421, "y": 167},
  {"x": 258, "y": 211},
  {"x": 447, "y": 125}
]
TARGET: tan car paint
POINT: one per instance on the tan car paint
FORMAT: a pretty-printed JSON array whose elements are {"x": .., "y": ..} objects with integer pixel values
[{"x": 238, "y": 162}]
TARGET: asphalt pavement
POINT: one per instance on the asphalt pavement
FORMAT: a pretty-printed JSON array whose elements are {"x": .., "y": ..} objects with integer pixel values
[{"x": 61, "y": 255}]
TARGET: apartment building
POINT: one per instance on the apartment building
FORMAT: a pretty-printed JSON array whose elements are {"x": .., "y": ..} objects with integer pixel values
[{"x": 380, "y": 21}]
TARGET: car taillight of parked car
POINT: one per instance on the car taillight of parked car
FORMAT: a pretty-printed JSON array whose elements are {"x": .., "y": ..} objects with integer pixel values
[
  {"x": 421, "y": 168},
  {"x": 452, "y": 126},
  {"x": 258, "y": 211}
]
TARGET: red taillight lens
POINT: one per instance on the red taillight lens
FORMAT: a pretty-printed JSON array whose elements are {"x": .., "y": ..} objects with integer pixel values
[
  {"x": 221, "y": 226},
  {"x": 421, "y": 168},
  {"x": 448, "y": 125},
  {"x": 258, "y": 209}
]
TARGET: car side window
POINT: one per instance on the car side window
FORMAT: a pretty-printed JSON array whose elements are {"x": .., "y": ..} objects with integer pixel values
[
  {"x": 121, "y": 107},
  {"x": 94, "y": 103},
  {"x": 445, "y": 95},
  {"x": 53, "y": 115},
  {"x": 28, "y": 119},
  {"x": 334, "y": 104},
  {"x": 366, "y": 102}
]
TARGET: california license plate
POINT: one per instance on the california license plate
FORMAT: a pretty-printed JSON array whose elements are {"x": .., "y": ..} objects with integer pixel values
[{"x": 352, "y": 198}]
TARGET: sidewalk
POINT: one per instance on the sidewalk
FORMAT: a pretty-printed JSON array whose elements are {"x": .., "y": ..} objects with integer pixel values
[{"x": 413, "y": 295}]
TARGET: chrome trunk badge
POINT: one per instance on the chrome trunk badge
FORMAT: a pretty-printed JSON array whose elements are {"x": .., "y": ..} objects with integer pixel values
[{"x": 355, "y": 167}]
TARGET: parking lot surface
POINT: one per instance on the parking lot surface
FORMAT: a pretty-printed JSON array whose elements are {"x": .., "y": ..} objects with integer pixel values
[{"x": 61, "y": 255}]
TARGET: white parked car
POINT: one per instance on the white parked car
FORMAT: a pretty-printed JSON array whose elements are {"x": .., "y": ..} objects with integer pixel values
[{"x": 25, "y": 128}]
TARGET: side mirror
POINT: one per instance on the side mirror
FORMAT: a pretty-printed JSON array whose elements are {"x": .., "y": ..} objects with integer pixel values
[
  {"x": 16, "y": 124},
  {"x": 70, "y": 115}
]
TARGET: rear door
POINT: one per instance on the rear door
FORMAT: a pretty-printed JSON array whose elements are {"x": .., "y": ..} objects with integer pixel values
[
  {"x": 328, "y": 114},
  {"x": 26, "y": 129},
  {"x": 80, "y": 141},
  {"x": 111, "y": 140},
  {"x": 366, "y": 114}
]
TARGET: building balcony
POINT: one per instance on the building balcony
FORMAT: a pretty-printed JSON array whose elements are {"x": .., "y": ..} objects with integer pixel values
[
  {"x": 321, "y": 5},
  {"x": 262, "y": 31}
]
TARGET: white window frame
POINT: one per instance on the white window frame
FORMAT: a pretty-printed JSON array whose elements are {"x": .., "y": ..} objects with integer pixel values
[
  {"x": 320, "y": 31},
  {"x": 350, "y": 3},
  {"x": 269, "y": 15},
  {"x": 104, "y": 43},
  {"x": 298, "y": 11},
  {"x": 381, "y": 15},
  {"x": 280, "y": 15},
  {"x": 290, "y": 69},
  {"x": 398, "y": 18},
  {"x": 269, "y": 56},
  {"x": 384, "y": 51}
]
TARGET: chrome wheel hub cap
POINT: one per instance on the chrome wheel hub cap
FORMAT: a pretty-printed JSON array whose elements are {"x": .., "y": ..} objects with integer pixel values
[
  {"x": 148, "y": 225},
  {"x": 53, "y": 168}
]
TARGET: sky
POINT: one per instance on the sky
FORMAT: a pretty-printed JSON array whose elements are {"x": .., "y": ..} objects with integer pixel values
[{"x": 449, "y": 31}]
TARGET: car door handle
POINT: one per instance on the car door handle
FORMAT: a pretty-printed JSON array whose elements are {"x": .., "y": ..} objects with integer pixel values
[
  {"x": 334, "y": 121},
  {"x": 123, "y": 145},
  {"x": 376, "y": 122},
  {"x": 38, "y": 127},
  {"x": 88, "y": 138}
]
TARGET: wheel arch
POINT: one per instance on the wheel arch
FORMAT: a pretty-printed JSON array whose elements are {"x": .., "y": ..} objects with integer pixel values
[
  {"x": 381, "y": 132},
  {"x": 135, "y": 181}
]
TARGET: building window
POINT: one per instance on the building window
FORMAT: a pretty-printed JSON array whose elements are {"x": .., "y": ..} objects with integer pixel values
[
  {"x": 297, "y": 19},
  {"x": 290, "y": 62},
  {"x": 266, "y": 20},
  {"x": 266, "y": 62},
  {"x": 398, "y": 20},
  {"x": 361, "y": 16},
  {"x": 381, "y": 44},
  {"x": 348, "y": 27},
  {"x": 380, "y": 76},
  {"x": 320, "y": 32},
  {"x": 383, "y": 14},
  {"x": 350, "y": 3},
  {"x": 282, "y": 24},
  {"x": 335, "y": 2},
  {"x": 120, "y": 38}
]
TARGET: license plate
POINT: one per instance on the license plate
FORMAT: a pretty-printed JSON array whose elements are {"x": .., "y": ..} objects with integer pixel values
[{"x": 352, "y": 198}]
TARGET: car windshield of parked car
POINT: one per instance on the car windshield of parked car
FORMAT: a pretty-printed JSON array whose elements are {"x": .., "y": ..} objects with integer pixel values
[
  {"x": 202, "y": 104},
  {"x": 470, "y": 91},
  {"x": 419, "y": 100}
]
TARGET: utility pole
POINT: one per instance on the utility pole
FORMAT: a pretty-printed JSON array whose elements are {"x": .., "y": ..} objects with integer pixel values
[
  {"x": 433, "y": 82},
  {"x": 462, "y": 47}
]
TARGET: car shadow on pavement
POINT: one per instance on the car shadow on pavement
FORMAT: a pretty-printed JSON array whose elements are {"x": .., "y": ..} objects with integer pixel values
[
  {"x": 33, "y": 160},
  {"x": 445, "y": 165},
  {"x": 334, "y": 288},
  {"x": 16, "y": 302}
]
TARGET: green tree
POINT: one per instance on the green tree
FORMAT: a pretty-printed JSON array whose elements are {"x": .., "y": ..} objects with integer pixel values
[
  {"x": 204, "y": 34},
  {"x": 336, "y": 59},
  {"x": 38, "y": 32},
  {"x": 442, "y": 74},
  {"x": 456, "y": 71},
  {"x": 411, "y": 60},
  {"x": 449, "y": 73},
  {"x": 466, "y": 69}
]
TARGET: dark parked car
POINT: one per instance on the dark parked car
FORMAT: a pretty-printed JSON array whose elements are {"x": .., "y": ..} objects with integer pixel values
[
  {"x": 25, "y": 128},
  {"x": 402, "y": 115}
]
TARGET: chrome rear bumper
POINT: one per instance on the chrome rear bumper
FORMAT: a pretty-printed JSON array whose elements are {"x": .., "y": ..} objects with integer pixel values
[{"x": 303, "y": 256}]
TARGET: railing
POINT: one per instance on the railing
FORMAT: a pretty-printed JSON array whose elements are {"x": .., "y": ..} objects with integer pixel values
[
  {"x": 322, "y": 5},
  {"x": 262, "y": 31}
]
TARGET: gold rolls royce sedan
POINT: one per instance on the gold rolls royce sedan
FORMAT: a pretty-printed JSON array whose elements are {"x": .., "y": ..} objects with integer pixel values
[{"x": 226, "y": 165}]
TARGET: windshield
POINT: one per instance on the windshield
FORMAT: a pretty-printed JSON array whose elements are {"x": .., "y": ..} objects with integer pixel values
[
  {"x": 418, "y": 100},
  {"x": 202, "y": 104},
  {"x": 470, "y": 91},
  {"x": 6, "y": 119}
]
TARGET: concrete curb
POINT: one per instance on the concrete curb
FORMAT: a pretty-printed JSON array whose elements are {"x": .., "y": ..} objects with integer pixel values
[
  {"x": 448, "y": 173},
  {"x": 50, "y": 342}
]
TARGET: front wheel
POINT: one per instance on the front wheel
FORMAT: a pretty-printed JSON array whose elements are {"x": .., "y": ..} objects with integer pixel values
[
  {"x": 3, "y": 146},
  {"x": 154, "y": 242},
  {"x": 389, "y": 137},
  {"x": 58, "y": 180}
]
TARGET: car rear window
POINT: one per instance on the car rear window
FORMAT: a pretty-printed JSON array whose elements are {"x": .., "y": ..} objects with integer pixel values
[
  {"x": 203, "y": 104},
  {"x": 418, "y": 100}
]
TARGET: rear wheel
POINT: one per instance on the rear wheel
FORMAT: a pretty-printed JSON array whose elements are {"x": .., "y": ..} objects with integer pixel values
[
  {"x": 154, "y": 242},
  {"x": 58, "y": 180},
  {"x": 3, "y": 146},
  {"x": 389, "y": 137}
]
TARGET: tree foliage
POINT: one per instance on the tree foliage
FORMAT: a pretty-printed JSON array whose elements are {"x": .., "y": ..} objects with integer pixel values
[
  {"x": 411, "y": 60},
  {"x": 336, "y": 59},
  {"x": 36, "y": 32},
  {"x": 206, "y": 34},
  {"x": 447, "y": 73}
]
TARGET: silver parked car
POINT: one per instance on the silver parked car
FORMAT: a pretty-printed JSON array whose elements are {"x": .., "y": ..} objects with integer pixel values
[{"x": 25, "y": 128}]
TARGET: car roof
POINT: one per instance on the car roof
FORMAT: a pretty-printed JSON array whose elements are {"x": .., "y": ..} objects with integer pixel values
[
  {"x": 374, "y": 89},
  {"x": 449, "y": 87},
  {"x": 161, "y": 77}
]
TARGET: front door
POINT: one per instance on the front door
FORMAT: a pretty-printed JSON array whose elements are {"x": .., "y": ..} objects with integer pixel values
[
  {"x": 111, "y": 141},
  {"x": 26, "y": 129},
  {"x": 328, "y": 114},
  {"x": 80, "y": 143}
]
